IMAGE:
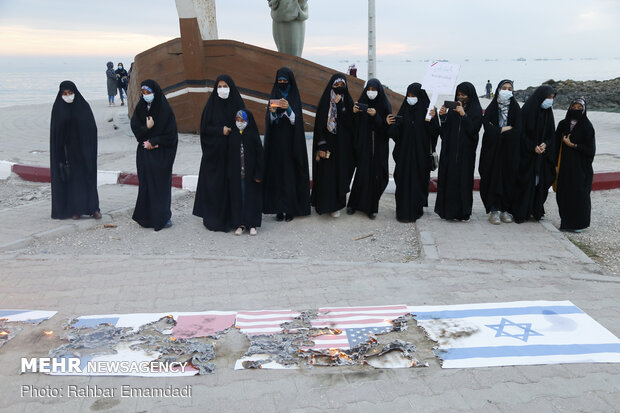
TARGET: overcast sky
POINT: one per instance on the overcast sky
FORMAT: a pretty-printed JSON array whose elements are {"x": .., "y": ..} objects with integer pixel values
[{"x": 336, "y": 28}]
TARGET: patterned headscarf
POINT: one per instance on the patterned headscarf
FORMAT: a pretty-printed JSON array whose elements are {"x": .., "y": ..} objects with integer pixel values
[
  {"x": 503, "y": 105},
  {"x": 333, "y": 111}
]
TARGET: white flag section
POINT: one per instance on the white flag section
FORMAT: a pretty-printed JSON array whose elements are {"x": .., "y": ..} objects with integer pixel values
[
  {"x": 516, "y": 333},
  {"x": 26, "y": 316}
]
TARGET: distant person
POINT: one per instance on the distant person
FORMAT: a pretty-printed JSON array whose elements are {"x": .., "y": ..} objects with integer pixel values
[
  {"x": 286, "y": 189},
  {"x": 129, "y": 72},
  {"x": 122, "y": 81},
  {"x": 73, "y": 155},
  {"x": 218, "y": 120},
  {"x": 371, "y": 149},
  {"x": 489, "y": 88},
  {"x": 537, "y": 158},
  {"x": 245, "y": 174},
  {"x": 459, "y": 140},
  {"x": 576, "y": 147},
  {"x": 415, "y": 140},
  {"x": 353, "y": 70},
  {"x": 155, "y": 127},
  {"x": 499, "y": 155},
  {"x": 332, "y": 148},
  {"x": 112, "y": 83}
]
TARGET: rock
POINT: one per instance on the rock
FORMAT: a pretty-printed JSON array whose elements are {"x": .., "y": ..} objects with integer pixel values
[{"x": 599, "y": 95}]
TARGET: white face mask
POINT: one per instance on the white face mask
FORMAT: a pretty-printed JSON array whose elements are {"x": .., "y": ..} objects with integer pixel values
[
  {"x": 372, "y": 94},
  {"x": 412, "y": 100},
  {"x": 547, "y": 103},
  {"x": 68, "y": 98},
  {"x": 504, "y": 95},
  {"x": 148, "y": 98},
  {"x": 241, "y": 125},
  {"x": 223, "y": 92}
]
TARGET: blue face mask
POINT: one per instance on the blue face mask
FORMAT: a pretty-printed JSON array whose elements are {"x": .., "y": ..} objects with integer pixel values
[
  {"x": 547, "y": 103},
  {"x": 148, "y": 98}
]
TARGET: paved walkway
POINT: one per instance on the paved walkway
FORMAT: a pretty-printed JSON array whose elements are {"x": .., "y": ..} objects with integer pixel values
[{"x": 451, "y": 263}]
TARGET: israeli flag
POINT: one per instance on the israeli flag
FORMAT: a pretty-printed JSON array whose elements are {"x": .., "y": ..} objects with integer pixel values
[{"x": 516, "y": 333}]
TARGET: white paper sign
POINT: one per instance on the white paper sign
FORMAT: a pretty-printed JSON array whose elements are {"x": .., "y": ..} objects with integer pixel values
[{"x": 440, "y": 79}]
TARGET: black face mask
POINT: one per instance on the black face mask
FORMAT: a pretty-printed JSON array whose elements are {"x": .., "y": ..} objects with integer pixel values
[
  {"x": 575, "y": 114},
  {"x": 464, "y": 101},
  {"x": 340, "y": 90},
  {"x": 282, "y": 86}
]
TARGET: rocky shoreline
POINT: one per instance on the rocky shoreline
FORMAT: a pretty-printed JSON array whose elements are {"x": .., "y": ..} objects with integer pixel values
[{"x": 600, "y": 95}]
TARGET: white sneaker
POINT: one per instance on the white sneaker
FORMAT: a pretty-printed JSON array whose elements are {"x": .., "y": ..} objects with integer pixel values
[
  {"x": 335, "y": 214},
  {"x": 239, "y": 231},
  {"x": 506, "y": 217},
  {"x": 494, "y": 218},
  {"x": 252, "y": 231}
]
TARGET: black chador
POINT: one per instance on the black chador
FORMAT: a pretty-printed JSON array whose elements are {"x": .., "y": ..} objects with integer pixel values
[
  {"x": 73, "y": 155},
  {"x": 332, "y": 147},
  {"x": 218, "y": 118},
  {"x": 286, "y": 188},
  {"x": 245, "y": 172},
  {"x": 537, "y": 158},
  {"x": 415, "y": 139},
  {"x": 459, "y": 139},
  {"x": 499, "y": 155},
  {"x": 371, "y": 150},
  {"x": 154, "y": 165},
  {"x": 575, "y": 167}
]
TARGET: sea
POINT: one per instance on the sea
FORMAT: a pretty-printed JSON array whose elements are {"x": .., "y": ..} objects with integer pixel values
[{"x": 29, "y": 80}]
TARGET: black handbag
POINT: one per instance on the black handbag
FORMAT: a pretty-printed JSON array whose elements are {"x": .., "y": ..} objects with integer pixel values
[{"x": 64, "y": 168}]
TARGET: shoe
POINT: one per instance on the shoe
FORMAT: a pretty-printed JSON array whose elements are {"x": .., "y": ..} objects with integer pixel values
[
  {"x": 288, "y": 218},
  {"x": 372, "y": 215},
  {"x": 506, "y": 217},
  {"x": 335, "y": 214},
  {"x": 75, "y": 217},
  {"x": 252, "y": 231},
  {"x": 168, "y": 224},
  {"x": 97, "y": 215},
  {"x": 279, "y": 216},
  {"x": 464, "y": 219},
  {"x": 122, "y": 103},
  {"x": 350, "y": 211},
  {"x": 577, "y": 231},
  {"x": 240, "y": 230},
  {"x": 494, "y": 218}
]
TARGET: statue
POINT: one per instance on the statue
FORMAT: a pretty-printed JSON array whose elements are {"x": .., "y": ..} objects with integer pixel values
[
  {"x": 289, "y": 24},
  {"x": 204, "y": 12}
]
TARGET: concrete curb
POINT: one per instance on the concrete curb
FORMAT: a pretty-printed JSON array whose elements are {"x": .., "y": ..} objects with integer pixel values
[{"x": 602, "y": 180}]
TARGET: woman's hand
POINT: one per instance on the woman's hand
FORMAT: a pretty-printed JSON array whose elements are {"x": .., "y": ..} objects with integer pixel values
[
  {"x": 443, "y": 110},
  {"x": 149, "y": 122},
  {"x": 390, "y": 119},
  {"x": 567, "y": 142},
  {"x": 284, "y": 103},
  {"x": 147, "y": 145},
  {"x": 459, "y": 109},
  {"x": 356, "y": 108},
  {"x": 506, "y": 128},
  {"x": 226, "y": 130},
  {"x": 371, "y": 111}
]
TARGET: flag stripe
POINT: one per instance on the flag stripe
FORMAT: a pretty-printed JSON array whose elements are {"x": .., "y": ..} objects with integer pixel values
[
  {"x": 488, "y": 312},
  {"x": 352, "y": 309},
  {"x": 527, "y": 351},
  {"x": 364, "y": 314}
]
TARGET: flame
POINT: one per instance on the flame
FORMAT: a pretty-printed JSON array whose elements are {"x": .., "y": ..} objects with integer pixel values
[
  {"x": 4, "y": 333},
  {"x": 48, "y": 332},
  {"x": 173, "y": 339},
  {"x": 325, "y": 331},
  {"x": 338, "y": 354}
]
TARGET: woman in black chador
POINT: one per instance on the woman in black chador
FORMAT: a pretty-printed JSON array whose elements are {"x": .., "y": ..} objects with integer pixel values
[
  {"x": 499, "y": 156},
  {"x": 537, "y": 158},
  {"x": 415, "y": 139},
  {"x": 332, "y": 148},
  {"x": 459, "y": 139},
  {"x": 73, "y": 155},
  {"x": 245, "y": 174},
  {"x": 286, "y": 189},
  {"x": 371, "y": 149},
  {"x": 218, "y": 120},
  {"x": 576, "y": 147},
  {"x": 155, "y": 127}
]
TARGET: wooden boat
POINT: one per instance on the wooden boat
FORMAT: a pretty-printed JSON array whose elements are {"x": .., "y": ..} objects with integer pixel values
[{"x": 186, "y": 69}]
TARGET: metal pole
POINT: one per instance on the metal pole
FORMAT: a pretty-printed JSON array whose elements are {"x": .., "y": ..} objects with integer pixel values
[{"x": 372, "y": 43}]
